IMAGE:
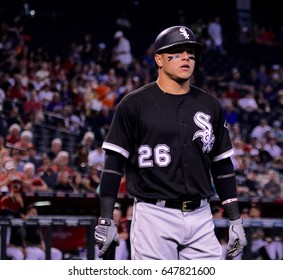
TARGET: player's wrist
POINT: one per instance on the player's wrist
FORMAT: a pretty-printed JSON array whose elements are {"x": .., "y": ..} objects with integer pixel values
[
  {"x": 107, "y": 204},
  {"x": 232, "y": 210}
]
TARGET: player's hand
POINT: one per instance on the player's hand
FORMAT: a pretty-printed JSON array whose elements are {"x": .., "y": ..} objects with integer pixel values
[
  {"x": 105, "y": 233},
  {"x": 237, "y": 238}
]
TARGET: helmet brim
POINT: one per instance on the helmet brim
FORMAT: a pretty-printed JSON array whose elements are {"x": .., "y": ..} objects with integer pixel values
[{"x": 196, "y": 46}]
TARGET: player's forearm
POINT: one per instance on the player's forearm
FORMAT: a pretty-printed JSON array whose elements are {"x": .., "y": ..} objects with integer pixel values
[
  {"x": 224, "y": 179},
  {"x": 110, "y": 183},
  {"x": 107, "y": 204},
  {"x": 225, "y": 184}
]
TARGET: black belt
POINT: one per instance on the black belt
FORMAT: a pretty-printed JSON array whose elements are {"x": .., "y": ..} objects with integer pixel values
[{"x": 184, "y": 205}]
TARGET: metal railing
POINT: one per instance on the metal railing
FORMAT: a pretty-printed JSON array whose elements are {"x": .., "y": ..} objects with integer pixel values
[
  {"x": 89, "y": 222},
  {"x": 47, "y": 222}
]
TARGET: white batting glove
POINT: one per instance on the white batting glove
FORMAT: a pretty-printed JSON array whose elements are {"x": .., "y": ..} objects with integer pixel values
[
  {"x": 237, "y": 238},
  {"x": 105, "y": 233}
]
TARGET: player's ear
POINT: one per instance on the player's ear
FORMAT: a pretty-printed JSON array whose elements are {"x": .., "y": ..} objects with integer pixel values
[{"x": 158, "y": 60}]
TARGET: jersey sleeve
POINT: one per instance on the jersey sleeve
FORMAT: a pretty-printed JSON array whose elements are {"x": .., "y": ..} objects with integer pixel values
[
  {"x": 223, "y": 145},
  {"x": 120, "y": 135}
]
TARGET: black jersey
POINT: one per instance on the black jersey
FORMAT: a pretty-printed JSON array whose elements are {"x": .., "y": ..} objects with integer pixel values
[{"x": 169, "y": 141}]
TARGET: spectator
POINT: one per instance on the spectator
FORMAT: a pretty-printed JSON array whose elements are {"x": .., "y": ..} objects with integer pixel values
[
  {"x": 232, "y": 93},
  {"x": 270, "y": 94},
  {"x": 93, "y": 177},
  {"x": 263, "y": 104},
  {"x": 14, "y": 116},
  {"x": 266, "y": 244},
  {"x": 251, "y": 186},
  {"x": 122, "y": 56},
  {"x": 56, "y": 105},
  {"x": 87, "y": 48},
  {"x": 265, "y": 157},
  {"x": 262, "y": 76},
  {"x": 81, "y": 159},
  {"x": 148, "y": 62},
  {"x": 77, "y": 182},
  {"x": 272, "y": 187},
  {"x": 274, "y": 246},
  {"x": 43, "y": 73},
  {"x": 238, "y": 145},
  {"x": 8, "y": 175},
  {"x": 277, "y": 132},
  {"x": 13, "y": 135},
  {"x": 231, "y": 115},
  {"x": 45, "y": 94},
  {"x": 273, "y": 148},
  {"x": 3, "y": 150},
  {"x": 277, "y": 165},
  {"x": 32, "y": 157},
  {"x": 260, "y": 130},
  {"x": 31, "y": 106},
  {"x": 12, "y": 205},
  {"x": 62, "y": 162},
  {"x": 55, "y": 148},
  {"x": 26, "y": 141},
  {"x": 102, "y": 56},
  {"x": 247, "y": 103},
  {"x": 34, "y": 240},
  {"x": 64, "y": 182},
  {"x": 97, "y": 156},
  {"x": 258, "y": 248},
  {"x": 88, "y": 140},
  {"x": 214, "y": 30},
  {"x": 32, "y": 182},
  {"x": 47, "y": 172}
]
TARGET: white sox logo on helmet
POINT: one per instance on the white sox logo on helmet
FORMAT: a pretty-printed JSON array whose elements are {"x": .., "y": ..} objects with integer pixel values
[
  {"x": 206, "y": 133},
  {"x": 184, "y": 33}
]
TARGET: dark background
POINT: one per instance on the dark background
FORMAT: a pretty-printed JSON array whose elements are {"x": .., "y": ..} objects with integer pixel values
[{"x": 62, "y": 21}]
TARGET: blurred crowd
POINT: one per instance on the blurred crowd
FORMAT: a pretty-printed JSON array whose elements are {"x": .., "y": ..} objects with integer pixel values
[
  {"x": 77, "y": 94},
  {"x": 44, "y": 94}
]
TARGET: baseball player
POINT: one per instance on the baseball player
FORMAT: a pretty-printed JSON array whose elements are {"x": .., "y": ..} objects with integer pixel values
[{"x": 173, "y": 141}]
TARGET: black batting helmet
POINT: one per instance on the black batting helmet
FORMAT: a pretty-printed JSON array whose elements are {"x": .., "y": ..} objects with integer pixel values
[{"x": 176, "y": 35}]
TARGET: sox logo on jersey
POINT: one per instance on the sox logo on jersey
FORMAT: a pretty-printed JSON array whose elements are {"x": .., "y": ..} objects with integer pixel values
[{"x": 206, "y": 133}]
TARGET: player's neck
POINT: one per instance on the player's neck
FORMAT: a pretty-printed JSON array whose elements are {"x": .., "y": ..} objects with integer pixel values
[{"x": 173, "y": 87}]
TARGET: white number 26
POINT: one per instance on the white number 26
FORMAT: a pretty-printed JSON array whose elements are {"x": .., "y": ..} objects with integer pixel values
[{"x": 160, "y": 156}]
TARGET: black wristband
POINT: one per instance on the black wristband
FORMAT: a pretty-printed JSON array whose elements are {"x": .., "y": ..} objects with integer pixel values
[{"x": 232, "y": 210}]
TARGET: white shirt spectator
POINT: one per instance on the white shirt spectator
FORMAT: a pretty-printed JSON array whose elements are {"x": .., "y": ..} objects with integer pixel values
[
  {"x": 248, "y": 103},
  {"x": 122, "y": 51},
  {"x": 215, "y": 33},
  {"x": 260, "y": 130},
  {"x": 273, "y": 149},
  {"x": 96, "y": 156}
]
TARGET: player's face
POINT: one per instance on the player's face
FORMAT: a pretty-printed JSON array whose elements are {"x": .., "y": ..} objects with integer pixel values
[{"x": 177, "y": 62}]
